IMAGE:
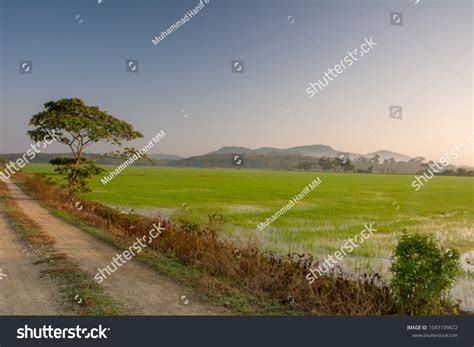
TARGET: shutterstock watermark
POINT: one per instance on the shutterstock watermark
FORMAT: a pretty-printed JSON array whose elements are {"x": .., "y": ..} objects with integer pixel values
[
  {"x": 138, "y": 246},
  {"x": 349, "y": 59},
  {"x": 11, "y": 168},
  {"x": 437, "y": 166},
  {"x": 133, "y": 158},
  {"x": 329, "y": 261},
  {"x": 187, "y": 17},
  {"x": 48, "y": 332},
  {"x": 290, "y": 204}
]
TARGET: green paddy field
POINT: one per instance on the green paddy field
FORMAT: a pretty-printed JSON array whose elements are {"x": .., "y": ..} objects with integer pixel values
[{"x": 337, "y": 209}]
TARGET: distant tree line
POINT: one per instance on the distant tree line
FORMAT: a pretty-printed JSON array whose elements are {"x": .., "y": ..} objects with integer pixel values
[
  {"x": 374, "y": 165},
  {"x": 282, "y": 162}
]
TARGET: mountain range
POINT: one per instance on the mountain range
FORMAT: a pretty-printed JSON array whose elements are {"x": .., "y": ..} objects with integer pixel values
[{"x": 309, "y": 151}]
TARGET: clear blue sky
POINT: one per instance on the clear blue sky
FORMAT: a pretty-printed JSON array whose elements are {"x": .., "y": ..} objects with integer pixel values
[{"x": 424, "y": 65}]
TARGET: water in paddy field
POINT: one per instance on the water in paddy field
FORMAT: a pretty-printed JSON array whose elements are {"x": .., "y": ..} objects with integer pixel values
[
  {"x": 354, "y": 265},
  {"x": 163, "y": 212},
  {"x": 463, "y": 290}
]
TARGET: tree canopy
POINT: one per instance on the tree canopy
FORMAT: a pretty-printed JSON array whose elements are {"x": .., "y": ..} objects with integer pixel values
[{"x": 78, "y": 126}]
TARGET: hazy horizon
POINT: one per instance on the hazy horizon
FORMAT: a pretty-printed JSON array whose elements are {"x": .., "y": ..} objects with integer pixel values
[{"x": 154, "y": 152}]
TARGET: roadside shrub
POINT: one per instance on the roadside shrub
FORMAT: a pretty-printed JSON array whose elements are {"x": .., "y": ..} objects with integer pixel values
[
  {"x": 423, "y": 274},
  {"x": 184, "y": 220},
  {"x": 215, "y": 222}
]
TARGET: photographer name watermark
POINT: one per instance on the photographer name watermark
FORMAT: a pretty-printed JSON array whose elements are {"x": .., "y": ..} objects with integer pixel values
[
  {"x": 290, "y": 204},
  {"x": 133, "y": 158},
  {"x": 187, "y": 17}
]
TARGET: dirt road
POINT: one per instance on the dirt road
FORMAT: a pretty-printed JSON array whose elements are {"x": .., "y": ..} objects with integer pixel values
[
  {"x": 23, "y": 290},
  {"x": 140, "y": 290}
]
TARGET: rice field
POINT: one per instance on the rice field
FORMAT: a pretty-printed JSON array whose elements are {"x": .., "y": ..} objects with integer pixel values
[{"x": 320, "y": 223}]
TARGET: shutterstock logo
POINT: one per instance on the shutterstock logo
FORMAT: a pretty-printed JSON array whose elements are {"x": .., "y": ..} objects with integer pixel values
[{"x": 48, "y": 332}]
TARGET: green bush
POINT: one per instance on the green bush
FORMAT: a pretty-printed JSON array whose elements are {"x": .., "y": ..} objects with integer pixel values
[{"x": 423, "y": 274}]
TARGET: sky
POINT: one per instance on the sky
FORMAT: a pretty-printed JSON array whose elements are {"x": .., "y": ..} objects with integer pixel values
[{"x": 186, "y": 87}]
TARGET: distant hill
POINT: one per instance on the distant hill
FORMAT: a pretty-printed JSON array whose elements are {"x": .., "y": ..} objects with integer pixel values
[
  {"x": 384, "y": 154},
  {"x": 309, "y": 151},
  {"x": 296, "y": 158}
]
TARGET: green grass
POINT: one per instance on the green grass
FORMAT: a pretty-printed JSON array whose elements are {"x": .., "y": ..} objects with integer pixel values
[{"x": 320, "y": 223}]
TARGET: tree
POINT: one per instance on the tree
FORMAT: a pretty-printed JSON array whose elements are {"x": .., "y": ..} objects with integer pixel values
[
  {"x": 304, "y": 165},
  {"x": 425, "y": 166},
  {"x": 347, "y": 165},
  {"x": 343, "y": 163},
  {"x": 386, "y": 168},
  {"x": 337, "y": 163},
  {"x": 375, "y": 159},
  {"x": 374, "y": 163},
  {"x": 78, "y": 126},
  {"x": 392, "y": 165},
  {"x": 325, "y": 163}
]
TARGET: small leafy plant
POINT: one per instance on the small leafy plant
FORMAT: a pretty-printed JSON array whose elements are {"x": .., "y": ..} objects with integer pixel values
[
  {"x": 215, "y": 222},
  {"x": 423, "y": 274},
  {"x": 185, "y": 221}
]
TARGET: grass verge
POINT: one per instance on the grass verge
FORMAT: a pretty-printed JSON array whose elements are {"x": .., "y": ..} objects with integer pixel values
[
  {"x": 78, "y": 290},
  {"x": 218, "y": 292}
]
